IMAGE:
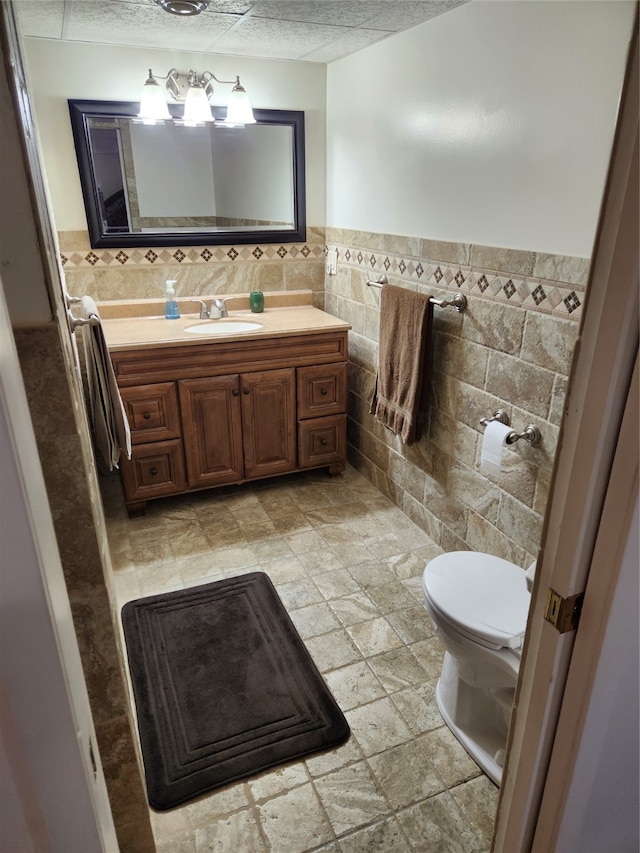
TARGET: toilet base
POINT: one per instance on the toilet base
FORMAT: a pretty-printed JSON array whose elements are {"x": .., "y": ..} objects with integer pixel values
[{"x": 478, "y": 717}]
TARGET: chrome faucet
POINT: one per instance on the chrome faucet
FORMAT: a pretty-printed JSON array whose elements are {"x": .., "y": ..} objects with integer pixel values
[
  {"x": 216, "y": 305},
  {"x": 219, "y": 305},
  {"x": 204, "y": 311}
]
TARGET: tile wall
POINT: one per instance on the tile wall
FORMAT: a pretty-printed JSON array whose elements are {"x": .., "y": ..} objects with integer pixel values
[
  {"x": 107, "y": 274},
  {"x": 510, "y": 350},
  {"x": 78, "y": 520}
]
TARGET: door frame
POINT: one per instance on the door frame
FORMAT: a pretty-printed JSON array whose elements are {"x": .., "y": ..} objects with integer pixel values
[{"x": 599, "y": 385}]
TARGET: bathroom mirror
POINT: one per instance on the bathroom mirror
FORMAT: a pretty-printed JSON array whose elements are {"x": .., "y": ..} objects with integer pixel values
[{"x": 170, "y": 184}]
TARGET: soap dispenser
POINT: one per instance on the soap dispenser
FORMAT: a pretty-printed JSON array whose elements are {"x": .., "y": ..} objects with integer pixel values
[{"x": 171, "y": 311}]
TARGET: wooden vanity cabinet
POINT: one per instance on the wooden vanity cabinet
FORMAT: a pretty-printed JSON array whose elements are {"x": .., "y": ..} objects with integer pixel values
[{"x": 213, "y": 414}]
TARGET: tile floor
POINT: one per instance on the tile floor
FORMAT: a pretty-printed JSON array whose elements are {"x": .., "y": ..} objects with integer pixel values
[{"x": 347, "y": 563}]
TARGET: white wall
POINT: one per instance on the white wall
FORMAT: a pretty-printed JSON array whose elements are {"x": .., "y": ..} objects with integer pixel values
[
  {"x": 490, "y": 124},
  {"x": 57, "y": 71}
]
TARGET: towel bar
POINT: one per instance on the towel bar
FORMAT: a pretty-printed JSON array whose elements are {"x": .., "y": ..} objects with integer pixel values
[
  {"x": 459, "y": 301},
  {"x": 74, "y": 322}
]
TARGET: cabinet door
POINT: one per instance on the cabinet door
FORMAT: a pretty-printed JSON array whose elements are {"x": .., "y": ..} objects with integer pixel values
[
  {"x": 212, "y": 430},
  {"x": 269, "y": 422}
]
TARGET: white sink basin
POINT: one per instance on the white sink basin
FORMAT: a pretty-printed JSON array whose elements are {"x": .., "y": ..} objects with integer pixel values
[{"x": 223, "y": 327}]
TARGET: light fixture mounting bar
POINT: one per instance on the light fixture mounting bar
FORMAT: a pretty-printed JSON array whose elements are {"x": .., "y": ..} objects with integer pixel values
[{"x": 195, "y": 90}]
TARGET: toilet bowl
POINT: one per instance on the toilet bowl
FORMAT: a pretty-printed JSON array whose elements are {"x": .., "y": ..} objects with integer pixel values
[{"x": 479, "y": 605}]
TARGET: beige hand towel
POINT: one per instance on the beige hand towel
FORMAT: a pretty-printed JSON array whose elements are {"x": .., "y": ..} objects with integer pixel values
[
  {"x": 403, "y": 355},
  {"x": 106, "y": 409}
]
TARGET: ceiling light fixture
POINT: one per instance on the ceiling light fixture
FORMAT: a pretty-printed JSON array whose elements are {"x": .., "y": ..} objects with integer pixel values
[
  {"x": 183, "y": 7},
  {"x": 194, "y": 90}
]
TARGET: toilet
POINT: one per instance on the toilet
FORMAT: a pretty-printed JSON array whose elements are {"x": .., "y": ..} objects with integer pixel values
[{"x": 479, "y": 604}]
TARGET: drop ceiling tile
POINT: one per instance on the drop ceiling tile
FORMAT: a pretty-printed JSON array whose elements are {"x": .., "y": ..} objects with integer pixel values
[
  {"x": 342, "y": 13},
  {"x": 40, "y": 18},
  {"x": 136, "y": 2},
  {"x": 314, "y": 30},
  {"x": 400, "y": 15},
  {"x": 144, "y": 25},
  {"x": 352, "y": 41},
  {"x": 275, "y": 39},
  {"x": 230, "y": 7}
]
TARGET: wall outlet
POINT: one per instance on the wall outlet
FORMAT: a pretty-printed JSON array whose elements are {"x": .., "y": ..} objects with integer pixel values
[{"x": 332, "y": 262}]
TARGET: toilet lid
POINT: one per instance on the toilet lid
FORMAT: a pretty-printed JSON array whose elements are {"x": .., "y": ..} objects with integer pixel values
[{"x": 485, "y": 596}]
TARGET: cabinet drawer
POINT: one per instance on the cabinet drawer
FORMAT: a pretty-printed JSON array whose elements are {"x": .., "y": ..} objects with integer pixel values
[
  {"x": 154, "y": 470},
  {"x": 322, "y": 441},
  {"x": 152, "y": 411},
  {"x": 322, "y": 390}
]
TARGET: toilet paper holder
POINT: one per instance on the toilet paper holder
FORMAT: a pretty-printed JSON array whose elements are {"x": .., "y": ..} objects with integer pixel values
[{"x": 530, "y": 434}]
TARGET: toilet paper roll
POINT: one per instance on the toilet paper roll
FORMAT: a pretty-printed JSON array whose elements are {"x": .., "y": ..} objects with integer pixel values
[{"x": 495, "y": 438}]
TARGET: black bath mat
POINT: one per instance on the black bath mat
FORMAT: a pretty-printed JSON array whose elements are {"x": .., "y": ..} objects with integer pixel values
[{"x": 224, "y": 687}]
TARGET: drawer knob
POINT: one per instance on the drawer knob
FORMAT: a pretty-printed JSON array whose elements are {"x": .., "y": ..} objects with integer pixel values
[
  {"x": 245, "y": 391},
  {"x": 154, "y": 471},
  {"x": 235, "y": 392},
  {"x": 324, "y": 392},
  {"x": 323, "y": 441},
  {"x": 146, "y": 416}
]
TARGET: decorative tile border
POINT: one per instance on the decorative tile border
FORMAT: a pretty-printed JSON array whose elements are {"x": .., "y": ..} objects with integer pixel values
[
  {"x": 547, "y": 296},
  {"x": 560, "y": 299},
  {"x": 189, "y": 255}
]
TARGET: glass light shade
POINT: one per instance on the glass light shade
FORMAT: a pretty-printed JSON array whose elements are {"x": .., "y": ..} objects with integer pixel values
[
  {"x": 153, "y": 104},
  {"x": 196, "y": 106},
  {"x": 239, "y": 109}
]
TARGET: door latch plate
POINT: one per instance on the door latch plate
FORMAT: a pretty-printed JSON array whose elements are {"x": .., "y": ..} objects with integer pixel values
[{"x": 563, "y": 613}]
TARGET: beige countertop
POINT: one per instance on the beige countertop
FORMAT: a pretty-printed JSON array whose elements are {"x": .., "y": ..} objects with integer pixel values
[{"x": 151, "y": 330}]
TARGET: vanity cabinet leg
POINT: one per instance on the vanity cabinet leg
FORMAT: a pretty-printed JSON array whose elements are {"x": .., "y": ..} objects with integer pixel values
[
  {"x": 136, "y": 508},
  {"x": 337, "y": 469}
]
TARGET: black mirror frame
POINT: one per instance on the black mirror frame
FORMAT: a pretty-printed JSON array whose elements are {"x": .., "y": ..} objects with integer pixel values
[{"x": 81, "y": 109}]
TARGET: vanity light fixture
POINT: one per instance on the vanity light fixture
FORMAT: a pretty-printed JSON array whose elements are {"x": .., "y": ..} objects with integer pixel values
[{"x": 194, "y": 90}]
